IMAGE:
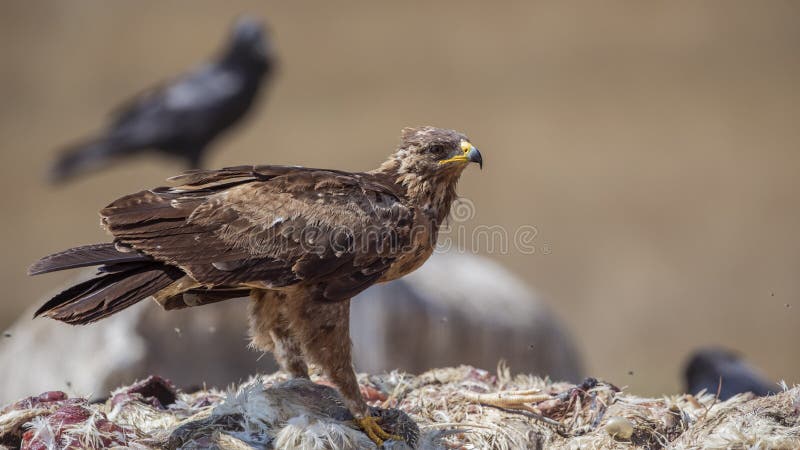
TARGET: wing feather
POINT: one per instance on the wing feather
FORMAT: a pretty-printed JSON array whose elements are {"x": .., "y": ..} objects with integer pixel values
[{"x": 273, "y": 225}]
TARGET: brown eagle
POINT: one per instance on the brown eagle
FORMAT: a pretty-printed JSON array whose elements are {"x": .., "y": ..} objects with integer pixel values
[{"x": 301, "y": 242}]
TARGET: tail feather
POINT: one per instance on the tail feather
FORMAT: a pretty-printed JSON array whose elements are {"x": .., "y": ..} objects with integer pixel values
[
  {"x": 81, "y": 158},
  {"x": 85, "y": 256},
  {"x": 110, "y": 293}
]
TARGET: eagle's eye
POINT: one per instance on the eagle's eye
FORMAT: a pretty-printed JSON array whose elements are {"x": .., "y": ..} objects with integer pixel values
[{"x": 437, "y": 150}]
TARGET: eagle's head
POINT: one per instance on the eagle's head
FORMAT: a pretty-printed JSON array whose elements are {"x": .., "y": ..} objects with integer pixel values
[
  {"x": 434, "y": 153},
  {"x": 428, "y": 163}
]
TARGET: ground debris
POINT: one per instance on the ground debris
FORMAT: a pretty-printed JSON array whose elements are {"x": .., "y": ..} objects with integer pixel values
[{"x": 462, "y": 408}]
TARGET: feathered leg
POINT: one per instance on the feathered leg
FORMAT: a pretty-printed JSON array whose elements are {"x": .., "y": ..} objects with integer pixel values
[
  {"x": 269, "y": 331},
  {"x": 323, "y": 330}
]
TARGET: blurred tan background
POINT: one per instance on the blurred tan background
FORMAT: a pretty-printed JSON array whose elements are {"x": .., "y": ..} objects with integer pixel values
[{"x": 652, "y": 145}]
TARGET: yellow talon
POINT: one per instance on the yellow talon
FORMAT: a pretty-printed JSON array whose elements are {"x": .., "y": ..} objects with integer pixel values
[{"x": 370, "y": 426}]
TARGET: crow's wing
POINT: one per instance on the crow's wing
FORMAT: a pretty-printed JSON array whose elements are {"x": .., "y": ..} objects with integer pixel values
[{"x": 190, "y": 104}]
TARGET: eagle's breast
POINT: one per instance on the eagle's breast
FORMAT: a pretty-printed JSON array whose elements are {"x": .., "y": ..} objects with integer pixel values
[{"x": 421, "y": 245}]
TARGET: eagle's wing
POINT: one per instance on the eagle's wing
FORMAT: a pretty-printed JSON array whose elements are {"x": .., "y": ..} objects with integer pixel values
[{"x": 269, "y": 226}]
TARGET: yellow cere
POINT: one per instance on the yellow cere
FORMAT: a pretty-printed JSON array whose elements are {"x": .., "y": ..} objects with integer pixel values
[{"x": 466, "y": 147}]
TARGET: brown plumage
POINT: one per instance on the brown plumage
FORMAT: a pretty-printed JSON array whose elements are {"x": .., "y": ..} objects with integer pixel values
[{"x": 301, "y": 241}]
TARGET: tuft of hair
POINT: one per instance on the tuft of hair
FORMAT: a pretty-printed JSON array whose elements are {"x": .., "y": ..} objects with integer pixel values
[{"x": 303, "y": 432}]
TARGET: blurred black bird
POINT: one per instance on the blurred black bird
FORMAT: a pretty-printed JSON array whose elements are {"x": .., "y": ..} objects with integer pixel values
[
  {"x": 181, "y": 118},
  {"x": 707, "y": 366}
]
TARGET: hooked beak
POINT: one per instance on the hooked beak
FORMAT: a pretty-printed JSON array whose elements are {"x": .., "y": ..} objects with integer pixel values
[
  {"x": 469, "y": 154},
  {"x": 473, "y": 155}
]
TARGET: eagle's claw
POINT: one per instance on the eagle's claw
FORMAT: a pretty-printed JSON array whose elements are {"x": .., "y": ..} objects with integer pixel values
[{"x": 370, "y": 425}]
